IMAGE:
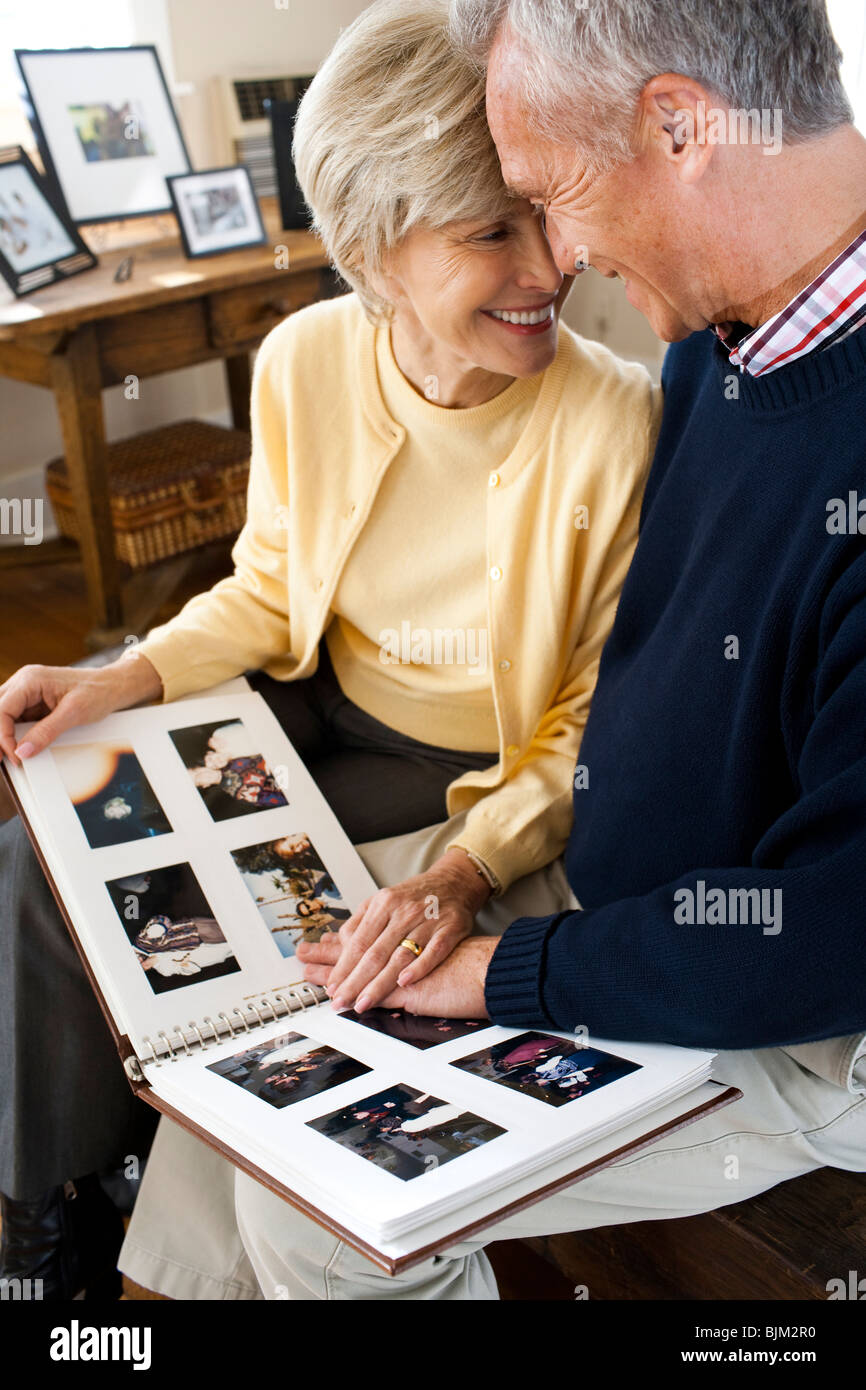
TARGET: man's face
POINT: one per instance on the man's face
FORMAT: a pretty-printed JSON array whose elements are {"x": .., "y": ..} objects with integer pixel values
[{"x": 632, "y": 222}]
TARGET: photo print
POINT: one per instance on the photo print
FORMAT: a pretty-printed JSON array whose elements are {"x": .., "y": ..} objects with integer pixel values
[
  {"x": 31, "y": 233},
  {"x": 171, "y": 928},
  {"x": 287, "y": 1069},
  {"x": 292, "y": 889},
  {"x": 110, "y": 132},
  {"x": 406, "y": 1132},
  {"x": 418, "y": 1031},
  {"x": 228, "y": 769},
  {"x": 547, "y": 1068},
  {"x": 113, "y": 799},
  {"x": 215, "y": 210}
]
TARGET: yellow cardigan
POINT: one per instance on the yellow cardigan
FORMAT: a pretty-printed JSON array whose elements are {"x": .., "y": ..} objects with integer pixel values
[{"x": 561, "y": 526}]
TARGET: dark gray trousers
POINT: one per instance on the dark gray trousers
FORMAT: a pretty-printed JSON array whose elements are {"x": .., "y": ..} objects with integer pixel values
[{"x": 66, "y": 1108}]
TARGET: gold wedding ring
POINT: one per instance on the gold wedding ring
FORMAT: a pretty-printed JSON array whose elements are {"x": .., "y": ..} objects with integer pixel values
[{"x": 411, "y": 945}]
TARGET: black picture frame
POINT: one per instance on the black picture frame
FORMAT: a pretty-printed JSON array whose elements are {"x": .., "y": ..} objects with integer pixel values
[
  {"x": 294, "y": 213},
  {"x": 36, "y": 114},
  {"x": 47, "y": 215},
  {"x": 196, "y": 244}
]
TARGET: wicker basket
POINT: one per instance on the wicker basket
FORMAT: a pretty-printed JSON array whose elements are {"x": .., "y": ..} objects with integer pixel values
[{"x": 171, "y": 490}]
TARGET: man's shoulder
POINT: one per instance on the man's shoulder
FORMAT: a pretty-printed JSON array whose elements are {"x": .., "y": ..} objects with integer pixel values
[{"x": 690, "y": 357}]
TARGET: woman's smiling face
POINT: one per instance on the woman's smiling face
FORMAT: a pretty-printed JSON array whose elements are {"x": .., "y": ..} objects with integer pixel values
[{"x": 487, "y": 294}]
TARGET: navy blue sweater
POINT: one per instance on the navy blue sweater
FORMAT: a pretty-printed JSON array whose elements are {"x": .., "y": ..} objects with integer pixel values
[{"x": 726, "y": 745}]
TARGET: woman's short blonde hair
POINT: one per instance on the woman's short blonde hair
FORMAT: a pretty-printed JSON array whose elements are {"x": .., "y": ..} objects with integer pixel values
[{"x": 391, "y": 135}]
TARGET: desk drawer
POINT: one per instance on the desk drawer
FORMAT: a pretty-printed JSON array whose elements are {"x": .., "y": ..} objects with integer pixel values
[{"x": 243, "y": 316}]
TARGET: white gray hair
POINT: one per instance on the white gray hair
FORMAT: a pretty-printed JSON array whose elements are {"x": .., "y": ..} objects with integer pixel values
[
  {"x": 392, "y": 134},
  {"x": 587, "y": 61}
]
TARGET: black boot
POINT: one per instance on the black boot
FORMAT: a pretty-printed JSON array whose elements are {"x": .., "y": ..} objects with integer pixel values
[{"x": 68, "y": 1238}]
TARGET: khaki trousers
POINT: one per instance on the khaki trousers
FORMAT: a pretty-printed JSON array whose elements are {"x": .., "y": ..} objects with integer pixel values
[{"x": 201, "y": 1229}]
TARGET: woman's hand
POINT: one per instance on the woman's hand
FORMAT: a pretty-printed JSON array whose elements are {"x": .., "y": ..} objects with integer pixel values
[
  {"x": 61, "y": 697},
  {"x": 435, "y": 909}
]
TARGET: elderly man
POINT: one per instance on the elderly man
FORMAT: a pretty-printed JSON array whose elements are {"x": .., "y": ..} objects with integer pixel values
[{"x": 719, "y": 842}]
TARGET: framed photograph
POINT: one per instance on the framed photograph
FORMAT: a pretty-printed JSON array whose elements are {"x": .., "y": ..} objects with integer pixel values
[
  {"x": 217, "y": 211},
  {"x": 38, "y": 243},
  {"x": 106, "y": 128}
]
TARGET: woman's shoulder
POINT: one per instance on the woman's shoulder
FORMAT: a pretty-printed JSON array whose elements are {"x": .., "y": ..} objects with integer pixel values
[
  {"x": 621, "y": 395},
  {"x": 591, "y": 364},
  {"x": 323, "y": 331}
]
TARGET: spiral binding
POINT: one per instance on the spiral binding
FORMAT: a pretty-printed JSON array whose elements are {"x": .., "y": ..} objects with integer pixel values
[{"x": 210, "y": 1032}]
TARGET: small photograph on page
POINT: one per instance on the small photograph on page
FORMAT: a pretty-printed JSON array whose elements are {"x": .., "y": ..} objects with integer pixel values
[
  {"x": 228, "y": 769},
  {"x": 416, "y": 1030},
  {"x": 287, "y": 1069},
  {"x": 171, "y": 928},
  {"x": 406, "y": 1132},
  {"x": 113, "y": 799},
  {"x": 292, "y": 889},
  {"x": 547, "y": 1068}
]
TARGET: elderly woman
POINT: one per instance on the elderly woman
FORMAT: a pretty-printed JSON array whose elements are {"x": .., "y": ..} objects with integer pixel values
[{"x": 443, "y": 503}]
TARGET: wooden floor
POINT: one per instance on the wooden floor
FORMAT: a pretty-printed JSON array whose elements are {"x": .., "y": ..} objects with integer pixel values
[{"x": 44, "y": 612}]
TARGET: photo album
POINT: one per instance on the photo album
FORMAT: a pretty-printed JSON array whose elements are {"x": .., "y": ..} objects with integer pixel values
[{"x": 189, "y": 851}]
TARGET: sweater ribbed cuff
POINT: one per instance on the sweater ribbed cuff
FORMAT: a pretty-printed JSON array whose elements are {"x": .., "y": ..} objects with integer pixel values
[
  {"x": 170, "y": 654},
  {"x": 513, "y": 988}
]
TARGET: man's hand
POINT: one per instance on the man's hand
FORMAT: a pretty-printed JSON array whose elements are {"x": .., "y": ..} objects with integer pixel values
[
  {"x": 435, "y": 909},
  {"x": 455, "y": 989}
]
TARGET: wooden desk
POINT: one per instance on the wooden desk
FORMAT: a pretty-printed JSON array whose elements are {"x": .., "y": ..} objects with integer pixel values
[{"x": 91, "y": 332}]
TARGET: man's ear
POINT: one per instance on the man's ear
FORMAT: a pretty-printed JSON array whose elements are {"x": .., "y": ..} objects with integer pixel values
[{"x": 677, "y": 116}]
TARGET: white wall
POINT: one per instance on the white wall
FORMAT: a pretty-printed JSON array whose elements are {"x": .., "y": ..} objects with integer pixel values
[
  {"x": 196, "y": 39},
  {"x": 228, "y": 37}
]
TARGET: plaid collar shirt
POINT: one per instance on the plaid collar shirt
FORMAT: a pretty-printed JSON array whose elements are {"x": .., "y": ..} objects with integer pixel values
[{"x": 822, "y": 314}]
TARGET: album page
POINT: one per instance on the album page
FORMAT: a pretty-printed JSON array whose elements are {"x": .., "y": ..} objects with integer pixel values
[
  {"x": 483, "y": 1212},
  {"x": 385, "y": 1122},
  {"x": 192, "y": 851}
]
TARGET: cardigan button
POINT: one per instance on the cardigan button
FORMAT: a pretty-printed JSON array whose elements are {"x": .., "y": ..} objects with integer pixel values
[
  {"x": 494, "y": 480},
  {"x": 512, "y": 750},
  {"x": 495, "y": 572},
  {"x": 505, "y": 664}
]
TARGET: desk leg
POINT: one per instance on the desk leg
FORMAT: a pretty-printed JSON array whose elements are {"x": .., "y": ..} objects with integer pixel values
[
  {"x": 239, "y": 381},
  {"x": 77, "y": 383}
]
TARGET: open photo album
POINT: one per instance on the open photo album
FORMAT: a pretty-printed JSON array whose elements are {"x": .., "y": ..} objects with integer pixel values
[{"x": 190, "y": 851}]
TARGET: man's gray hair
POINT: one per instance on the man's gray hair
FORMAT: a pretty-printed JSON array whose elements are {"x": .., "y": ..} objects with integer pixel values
[{"x": 586, "y": 62}]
